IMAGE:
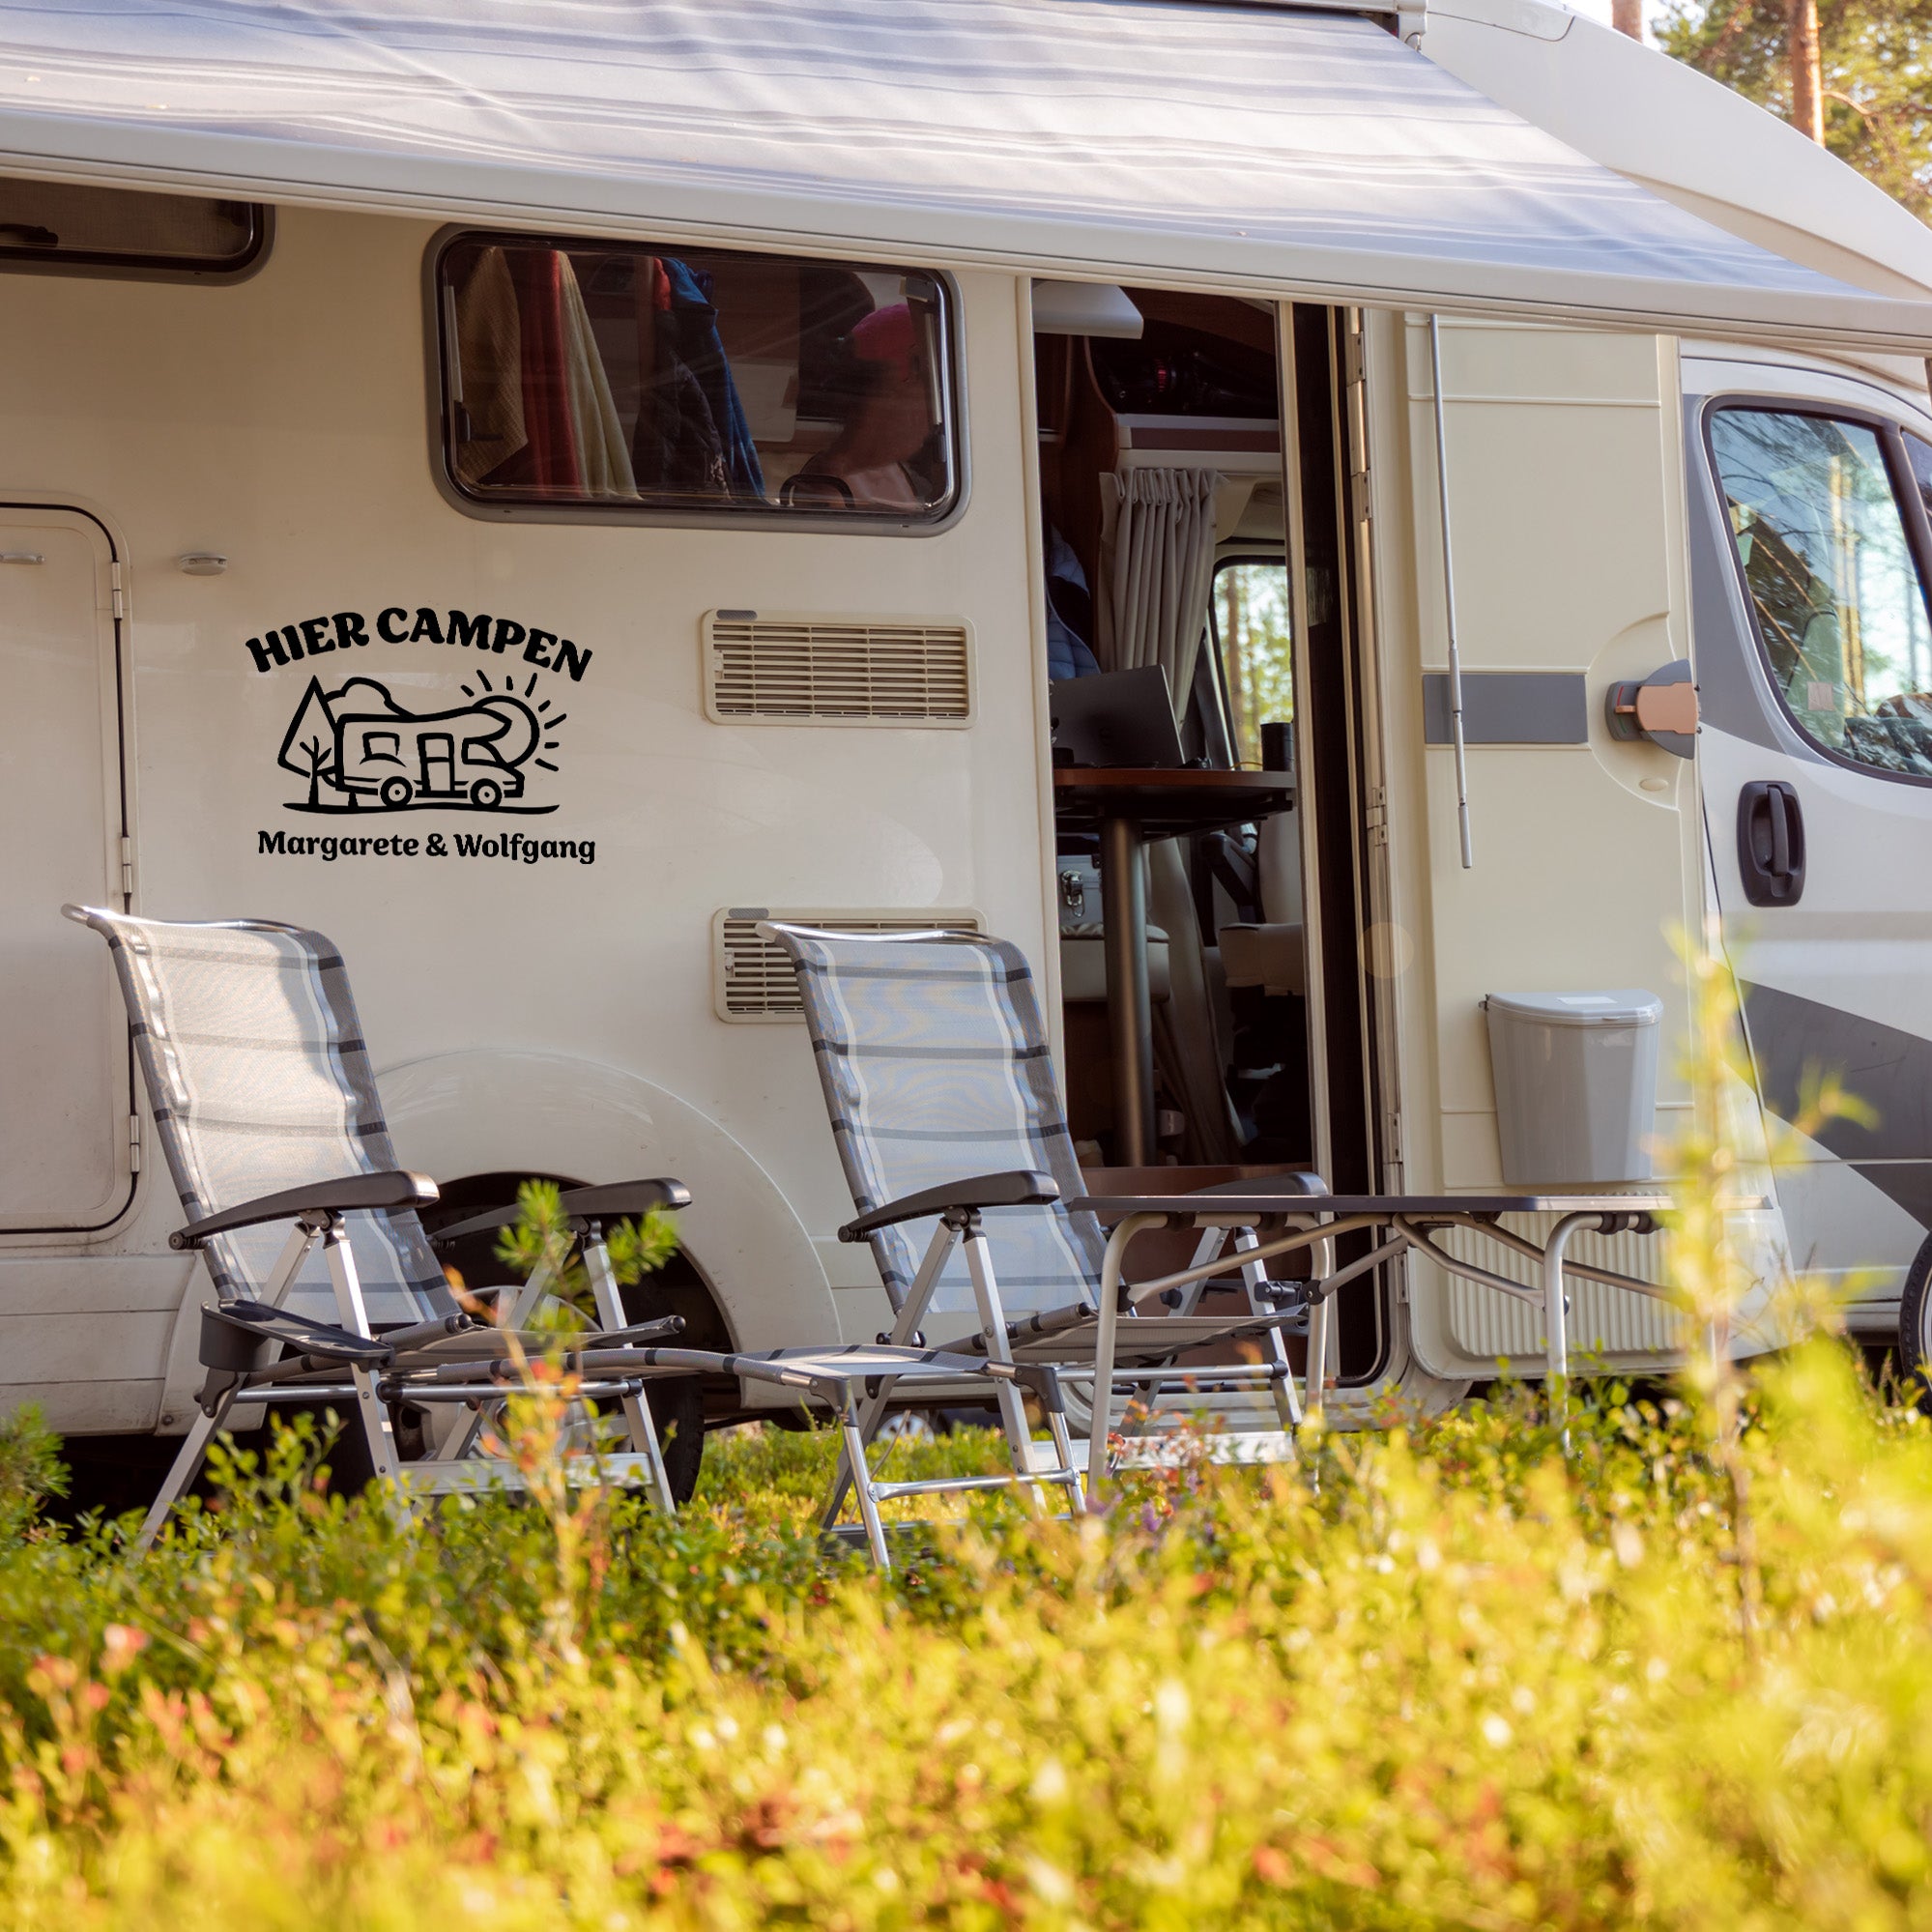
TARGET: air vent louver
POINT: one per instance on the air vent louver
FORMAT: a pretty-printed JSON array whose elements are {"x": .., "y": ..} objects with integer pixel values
[
  {"x": 753, "y": 979},
  {"x": 786, "y": 669}
]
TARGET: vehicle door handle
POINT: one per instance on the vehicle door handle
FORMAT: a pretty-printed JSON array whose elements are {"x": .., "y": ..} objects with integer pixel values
[{"x": 1770, "y": 843}]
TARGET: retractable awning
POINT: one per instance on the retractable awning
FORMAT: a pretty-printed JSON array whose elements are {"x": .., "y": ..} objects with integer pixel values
[{"x": 1247, "y": 148}]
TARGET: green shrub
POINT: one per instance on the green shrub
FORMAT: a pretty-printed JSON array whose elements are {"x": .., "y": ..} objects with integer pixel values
[
  {"x": 1440, "y": 1675},
  {"x": 1462, "y": 1683},
  {"x": 30, "y": 1469}
]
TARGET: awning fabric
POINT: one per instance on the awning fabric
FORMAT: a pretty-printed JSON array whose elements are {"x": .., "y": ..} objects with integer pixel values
[{"x": 1247, "y": 148}]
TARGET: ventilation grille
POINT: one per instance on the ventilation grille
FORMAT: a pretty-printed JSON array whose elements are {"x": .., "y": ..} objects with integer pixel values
[
  {"x": 1603, "y": 1321},
  {"x": 753, "y": 978},
  {"x": 787, "y": 669}
]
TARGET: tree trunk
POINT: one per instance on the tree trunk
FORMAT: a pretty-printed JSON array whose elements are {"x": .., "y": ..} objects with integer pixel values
[
  {"x": 1808, "y": 89},
  {"x": 1628, "y": 17}
]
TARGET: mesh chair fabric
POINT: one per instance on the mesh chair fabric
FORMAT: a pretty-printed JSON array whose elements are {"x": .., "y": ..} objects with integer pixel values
[
  {"x": 247, "y": 1039},
  {"x": 936, "y": 1068}
]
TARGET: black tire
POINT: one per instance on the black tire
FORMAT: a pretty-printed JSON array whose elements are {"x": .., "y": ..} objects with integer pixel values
[
  {"x": 677, "y": 1409},
  {"x": 1915, "y": 1327},
  {"x": 395, "y": 793},
  {"x": 486, "y": 794}
]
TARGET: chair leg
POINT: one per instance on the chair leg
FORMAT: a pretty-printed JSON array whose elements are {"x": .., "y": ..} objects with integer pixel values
[
  {"x": 354, "y": 1317},
  {"x": 1321, "y": 1323},
  {"x": 1103, "y": 1346},
  {"x": 868, "y": 1503},
  {"x": 992, "y": 1317},
  {"x": 1063, "y": 1443},
  {"x": 182, "y": 1472},
  {"x": 848, "y": 1473},
  {"x": 644, "y": 1441},
  {"x": 641, "y": 1424},
  {"x": 1282, "y": 1384},
  {"x": 904, "y": 1326}
]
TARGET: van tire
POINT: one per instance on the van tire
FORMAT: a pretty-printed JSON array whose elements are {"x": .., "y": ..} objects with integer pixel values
[
  {"x": 677, "y": 1412},
  {"x": 1915, "y": 1327},
  {"x": 395, "y": 793},
  {"x": 486, "y": 794}
]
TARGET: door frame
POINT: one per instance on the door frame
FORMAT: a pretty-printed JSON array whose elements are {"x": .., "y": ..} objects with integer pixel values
[
  {"x": 130, "y": 1148},
  {"x": 1340, "y": 790}
]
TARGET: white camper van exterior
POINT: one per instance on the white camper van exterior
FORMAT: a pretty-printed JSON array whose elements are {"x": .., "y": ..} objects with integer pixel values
[{"x": 268, "y": 654}]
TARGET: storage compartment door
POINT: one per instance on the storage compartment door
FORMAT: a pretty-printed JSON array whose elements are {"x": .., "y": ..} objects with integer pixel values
[{"x": 62, "y": 1038}]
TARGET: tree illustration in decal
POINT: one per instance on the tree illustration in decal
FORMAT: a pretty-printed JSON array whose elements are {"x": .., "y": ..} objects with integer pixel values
[{"x": 309, "y": 748}]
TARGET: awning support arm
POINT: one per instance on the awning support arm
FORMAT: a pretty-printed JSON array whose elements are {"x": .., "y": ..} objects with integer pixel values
[{"x": 1449, "y": 594}]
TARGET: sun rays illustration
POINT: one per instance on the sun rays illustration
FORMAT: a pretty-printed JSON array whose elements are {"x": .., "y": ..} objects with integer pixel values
[{"x": 545, "y": 722}]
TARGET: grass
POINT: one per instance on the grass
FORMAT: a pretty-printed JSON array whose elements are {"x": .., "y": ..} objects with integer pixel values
[
  {"x": 1462, "y": 1683},
  {"x": 1439, "y": 1675}
]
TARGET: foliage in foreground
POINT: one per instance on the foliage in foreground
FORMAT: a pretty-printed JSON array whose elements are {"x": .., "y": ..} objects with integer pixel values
[
  {"x": 1442, "y": 1676},
  {"x": 1873, "y": 75},
  {"x": 1458, "y": 1683}
]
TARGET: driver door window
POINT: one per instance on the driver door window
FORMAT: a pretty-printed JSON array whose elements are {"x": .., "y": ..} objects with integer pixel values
[{"x": 1825, "y": 546}]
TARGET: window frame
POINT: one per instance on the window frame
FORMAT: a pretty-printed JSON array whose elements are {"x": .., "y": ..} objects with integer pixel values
[
  {"x": 1890, "y": 435},
  {"x": 103, "y": 265},
  {"x": 437, "y": 348},
  {"x": 1228, "y": 560}
]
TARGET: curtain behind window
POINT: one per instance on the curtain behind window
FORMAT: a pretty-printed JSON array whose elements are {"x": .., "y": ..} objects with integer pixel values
[{"x": 1157, "y": 538}]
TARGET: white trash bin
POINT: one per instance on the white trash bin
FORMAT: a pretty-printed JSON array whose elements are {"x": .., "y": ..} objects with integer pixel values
[{"x": 1575, "y": 1086}]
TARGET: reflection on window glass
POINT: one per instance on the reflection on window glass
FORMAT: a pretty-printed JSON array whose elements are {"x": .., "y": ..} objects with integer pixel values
[
  {"x": 1252, "y": 634},
  {"x": 47, "y": 224},
  {"x": 1919, "y": 454},
  {"x": 614, "y": 375},
  {"x": 1823, "y": 544}
]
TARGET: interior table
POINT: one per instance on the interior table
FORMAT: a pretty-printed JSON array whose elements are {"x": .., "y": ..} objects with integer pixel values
[{"x": 1130, "y": 807}]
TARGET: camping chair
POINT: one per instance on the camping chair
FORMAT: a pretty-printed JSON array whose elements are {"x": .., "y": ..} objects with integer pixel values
[
  {"x": 940, "y": 1082},
  {"x": 247, "y": 1040}
]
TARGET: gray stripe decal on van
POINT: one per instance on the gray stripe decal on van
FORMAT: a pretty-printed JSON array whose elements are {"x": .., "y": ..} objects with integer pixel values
[{"x": 1889, "y": 1070}]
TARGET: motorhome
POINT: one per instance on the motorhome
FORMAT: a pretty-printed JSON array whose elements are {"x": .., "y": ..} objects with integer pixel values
[{"x": 706, "y": 436}]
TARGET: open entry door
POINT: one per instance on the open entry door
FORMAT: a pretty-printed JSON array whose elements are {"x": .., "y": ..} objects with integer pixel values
[
  {"x": 65, "y": 1149},
  {"x": 1565, "y": 499}
]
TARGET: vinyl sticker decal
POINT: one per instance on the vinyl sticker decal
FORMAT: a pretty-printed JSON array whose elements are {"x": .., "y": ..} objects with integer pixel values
[
  {"x": 357, "y": 750},
  {"x": 361, "y": 751}
]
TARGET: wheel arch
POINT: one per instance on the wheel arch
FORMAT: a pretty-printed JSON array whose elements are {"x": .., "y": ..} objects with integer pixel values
[{"x": 471, "y": 1112}]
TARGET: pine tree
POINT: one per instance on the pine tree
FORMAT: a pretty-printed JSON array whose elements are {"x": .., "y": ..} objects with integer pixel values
[
  {"x": 1868, "y": 96},
  {"x": 309, "y": 748}
]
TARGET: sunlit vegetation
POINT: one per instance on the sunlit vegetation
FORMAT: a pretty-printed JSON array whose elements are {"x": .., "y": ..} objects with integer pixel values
[{"x": 1437, "y": 1674}]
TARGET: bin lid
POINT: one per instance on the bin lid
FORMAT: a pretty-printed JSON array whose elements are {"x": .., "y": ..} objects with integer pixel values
[{"x": 1625, "y": 1007}]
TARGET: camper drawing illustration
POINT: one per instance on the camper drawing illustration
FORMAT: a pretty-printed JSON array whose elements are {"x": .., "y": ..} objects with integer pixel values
[{"x": 359, "y": 750}]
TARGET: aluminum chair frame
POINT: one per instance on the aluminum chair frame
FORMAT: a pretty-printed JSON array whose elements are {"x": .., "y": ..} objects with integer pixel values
[
  {"x": 1077, "y": 1338},
  {"x": 197, "y": 1068},
  {"x": 447, "y": 1357}
]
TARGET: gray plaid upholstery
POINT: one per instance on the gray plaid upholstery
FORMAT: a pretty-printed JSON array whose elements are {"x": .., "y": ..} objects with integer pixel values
[
  {"x": 247, "y": 1039},
  {"x": 936, "y": 1068}
]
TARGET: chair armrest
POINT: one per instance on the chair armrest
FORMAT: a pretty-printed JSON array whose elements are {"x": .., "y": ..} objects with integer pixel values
[
  {"x": 666, "y": 1328},
  {"x": 615, "y": 1201},
  {"x": 1022, "y": 1188},
  {"x": 420, "y": 1335},
  {"x": 623, "y": 1198},
  {"x": 347, "y": 1196}
]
